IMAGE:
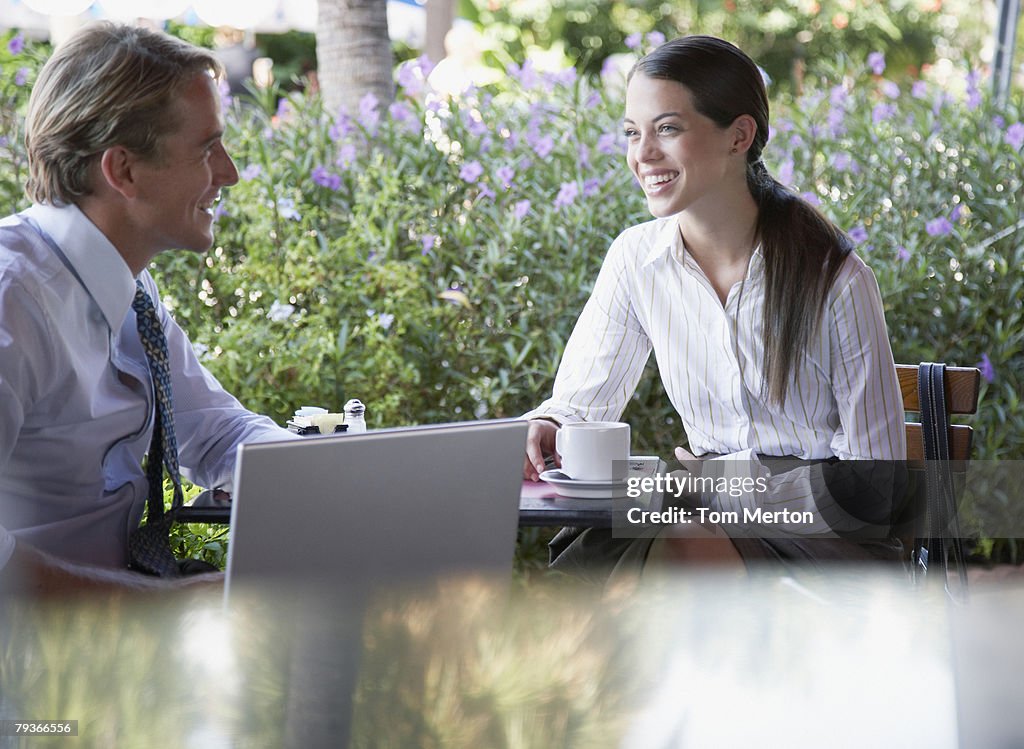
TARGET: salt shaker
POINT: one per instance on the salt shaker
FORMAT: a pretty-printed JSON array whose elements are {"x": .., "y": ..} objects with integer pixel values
[{"x": 354, "y": 416}]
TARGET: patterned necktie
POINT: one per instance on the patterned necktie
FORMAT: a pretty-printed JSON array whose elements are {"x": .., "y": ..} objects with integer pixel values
[{"x": 149, "y": 546}]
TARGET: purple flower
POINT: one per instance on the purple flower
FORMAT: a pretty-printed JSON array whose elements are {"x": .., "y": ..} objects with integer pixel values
[
  {"x": 889, "y": 89},
  {"x": 583, "y": 155},
  {"x": 882, "y": 112},
  {"x": 633, "y": 40},
  {"x": 346, "y": 156},
  {"x": 401, "y": 113},
  {"x": 876, "y": 61},
  {"x": 566, "y": 195},
  {"x": 837, "y": 123},
  {"x": 838, "y": 95},
  {"x": 282, "y": 108},
  {"x": 902, "y": 254},
  {"x": 655, "y": 39},
  {"x": 1015, "y": 135},
  {"x": 811, "y": 198},
  {"x": 224, "y": 89},
  {"x": 475, "y": 127},
  {"x": 606, "y": 143},
  {"x": 325, "y": 178},
  {"x": 368, "y": 114},
  {"x": 796, "y": 141},
  {"x": 998, "y": 122},
  {"x": 471, "y": 171},
  {"x": 957, "y": 211},
  {"x": 505, "y": 175},
  {"x": 341, "y": 128},
  {"x": 525, "y": 74},
  {"x": 252, "y": 171},
  {"x": 521, "y": 208},
  {"x": 938, "y": 227},
  {"x": 485, "y": 191},
  {"x": 591, "y": 187},
  {"x": 785, "y": 175},
  {"x": 542, "y": 146},
  {"x": 21, "y": 77},
  {"x": 919, "y": 90},
  {"x": 564, "y": 77},
  {"x": 843, "y": 162},
  {"x": 411, "y": 77},
  {"x": 593, "y": 99},
  {"x": 16, "y": 44},
  {"x": 427, "y": 243},
  {"x": 987, "y": 370},
  {"x": 858, "y": 235}
]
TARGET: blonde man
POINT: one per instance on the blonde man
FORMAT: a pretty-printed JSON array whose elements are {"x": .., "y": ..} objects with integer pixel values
[{"x": 126, "y": 161}]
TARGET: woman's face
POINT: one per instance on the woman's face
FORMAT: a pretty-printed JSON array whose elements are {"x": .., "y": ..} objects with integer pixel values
[{"x": 682, "y": 159}]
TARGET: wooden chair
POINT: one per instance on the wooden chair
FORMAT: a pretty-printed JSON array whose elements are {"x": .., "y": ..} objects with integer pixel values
[{"x": 962, "y": 386}]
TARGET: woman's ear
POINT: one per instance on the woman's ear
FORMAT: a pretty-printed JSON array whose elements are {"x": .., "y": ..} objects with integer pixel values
[
  {"x": 116, "y": 168},
  {"x": 744, "y": 130}
]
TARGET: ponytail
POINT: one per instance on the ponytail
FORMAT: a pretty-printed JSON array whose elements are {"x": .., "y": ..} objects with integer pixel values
[{"x": 803, "y": 252}]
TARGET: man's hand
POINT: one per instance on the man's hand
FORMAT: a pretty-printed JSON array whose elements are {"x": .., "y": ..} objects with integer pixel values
[
  {"x": 35, "y": 573},
  {"x": 540, "y": 443}
]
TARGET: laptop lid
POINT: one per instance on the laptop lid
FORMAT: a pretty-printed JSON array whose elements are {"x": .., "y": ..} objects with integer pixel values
[{"x": 385, "y": 506}]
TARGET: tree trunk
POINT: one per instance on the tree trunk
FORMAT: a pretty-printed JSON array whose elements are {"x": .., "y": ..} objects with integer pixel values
[
  {"x": 440, "y": 16},
  {"x": 353, "y": 53}
]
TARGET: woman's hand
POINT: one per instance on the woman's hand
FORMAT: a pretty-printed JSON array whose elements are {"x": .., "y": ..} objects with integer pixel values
[
  {"x": 690, "y": 462},
  {"x": 540, "y": 443}
]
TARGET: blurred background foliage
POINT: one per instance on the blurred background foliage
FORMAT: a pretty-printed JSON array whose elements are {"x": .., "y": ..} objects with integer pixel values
[{"x": 431, "y": 255}]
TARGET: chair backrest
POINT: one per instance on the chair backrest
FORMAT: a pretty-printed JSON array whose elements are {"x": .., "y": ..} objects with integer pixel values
[{"x": 961, "y": 385}]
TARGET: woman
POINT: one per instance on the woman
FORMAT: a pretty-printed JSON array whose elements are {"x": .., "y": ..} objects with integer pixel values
[{"x": 768, "y": 329}]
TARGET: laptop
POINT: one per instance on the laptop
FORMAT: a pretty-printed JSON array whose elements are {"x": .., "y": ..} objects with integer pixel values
[{"x": 387, "y": 506}]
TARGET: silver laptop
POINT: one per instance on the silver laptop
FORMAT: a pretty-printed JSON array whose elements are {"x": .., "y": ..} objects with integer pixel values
[{"x": 385, "y": 506}]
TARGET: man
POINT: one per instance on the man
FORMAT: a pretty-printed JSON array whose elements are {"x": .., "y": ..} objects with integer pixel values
[{"x": 126, "y": 161}]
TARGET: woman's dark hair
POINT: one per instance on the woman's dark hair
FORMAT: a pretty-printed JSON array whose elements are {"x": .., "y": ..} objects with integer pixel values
[{"x": 802, "y": 249}]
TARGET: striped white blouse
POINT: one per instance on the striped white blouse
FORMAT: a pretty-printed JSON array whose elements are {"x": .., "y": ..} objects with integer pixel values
[{"x": 651, "y": 295}]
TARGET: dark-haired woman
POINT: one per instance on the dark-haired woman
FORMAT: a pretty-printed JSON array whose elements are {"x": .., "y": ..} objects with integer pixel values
[{"x": 768, "y": 329}]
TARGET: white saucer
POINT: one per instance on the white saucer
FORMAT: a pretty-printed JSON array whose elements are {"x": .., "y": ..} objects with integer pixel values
[{"x": 567, "y": 487}]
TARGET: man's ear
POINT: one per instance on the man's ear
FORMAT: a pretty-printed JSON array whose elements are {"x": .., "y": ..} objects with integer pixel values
[
  {"x": 117, "y": 165},
  {"x": 744, "y": 130}
]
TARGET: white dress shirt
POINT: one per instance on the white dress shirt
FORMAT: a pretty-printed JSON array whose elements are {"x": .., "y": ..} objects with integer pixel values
[
  {"x": 76, "y": 399},
  {"x": 652, "y": 295}
]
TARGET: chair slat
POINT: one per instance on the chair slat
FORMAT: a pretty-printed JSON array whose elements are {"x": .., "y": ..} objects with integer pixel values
[
  {"x": 962, "y": 386},
  {"x": 960, "y": 437}
]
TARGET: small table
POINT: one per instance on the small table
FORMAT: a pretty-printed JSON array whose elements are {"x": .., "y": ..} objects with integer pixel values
[{"x": 539, "y": 506}]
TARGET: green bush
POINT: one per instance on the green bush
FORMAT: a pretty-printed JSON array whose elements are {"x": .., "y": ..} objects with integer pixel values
[{"x": 430, "y": 258}]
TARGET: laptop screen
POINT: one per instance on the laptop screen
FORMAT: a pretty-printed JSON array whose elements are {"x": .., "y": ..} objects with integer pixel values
[{"x": 384, "y": 506}]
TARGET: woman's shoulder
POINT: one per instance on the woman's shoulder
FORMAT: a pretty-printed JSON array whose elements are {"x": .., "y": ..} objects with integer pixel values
[{"x": 854, "y": 274}]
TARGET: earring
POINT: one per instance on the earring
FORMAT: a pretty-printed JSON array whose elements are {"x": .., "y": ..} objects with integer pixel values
[{"x": 734, "y": 150}]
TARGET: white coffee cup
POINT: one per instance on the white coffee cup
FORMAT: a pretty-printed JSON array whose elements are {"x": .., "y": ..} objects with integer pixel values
[{"x": 591, "y": 449}]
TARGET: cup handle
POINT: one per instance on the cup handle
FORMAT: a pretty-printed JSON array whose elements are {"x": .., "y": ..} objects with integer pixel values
[{"x": 558, "y": 442}]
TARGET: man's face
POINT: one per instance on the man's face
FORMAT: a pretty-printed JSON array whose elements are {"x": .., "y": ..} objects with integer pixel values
[{"x": 178, "y": 189}]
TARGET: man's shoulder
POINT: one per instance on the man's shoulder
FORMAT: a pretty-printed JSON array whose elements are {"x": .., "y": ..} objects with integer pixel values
[{"x": 26, "y": 261}]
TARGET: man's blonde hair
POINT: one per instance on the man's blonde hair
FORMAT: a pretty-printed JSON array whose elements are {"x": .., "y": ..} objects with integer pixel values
[{"x": 108, "y": 85}]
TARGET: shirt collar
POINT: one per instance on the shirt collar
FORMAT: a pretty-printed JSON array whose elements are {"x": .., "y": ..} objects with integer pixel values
[
  {"x": 98, "y": 264},
  {"x": 666, "y": 241}
]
